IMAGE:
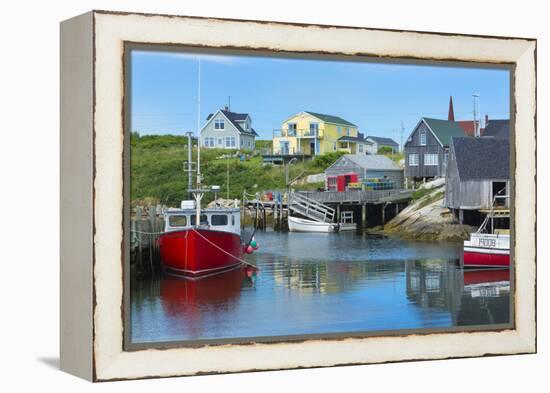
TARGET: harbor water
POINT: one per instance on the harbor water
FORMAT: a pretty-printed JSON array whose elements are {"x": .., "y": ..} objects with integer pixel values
[{"x": 322, "y": 284}]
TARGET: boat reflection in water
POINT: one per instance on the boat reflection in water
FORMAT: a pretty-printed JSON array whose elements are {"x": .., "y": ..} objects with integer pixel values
[
  {"x": 188, "y": 307},
  {"x": 316, "y": 284},
  {"x": 189, "y": 296},
  {"x": 472, "y": 297}
]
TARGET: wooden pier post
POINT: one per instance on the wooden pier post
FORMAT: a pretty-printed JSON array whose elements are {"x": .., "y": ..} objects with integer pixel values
[
  {"x": 383, "y": 213},
  {"x": 275, "y": 215},
  {"x": 152, "y": 234},
  {"x": 243, "y": 206},
  {"x": 338, "y": 213},
  {"x": 139, "y": 236},
  {"x": 364, "y": 215}
]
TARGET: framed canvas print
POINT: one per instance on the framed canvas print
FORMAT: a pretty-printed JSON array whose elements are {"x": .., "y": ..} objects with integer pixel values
[{"x": 248, "y": 195}]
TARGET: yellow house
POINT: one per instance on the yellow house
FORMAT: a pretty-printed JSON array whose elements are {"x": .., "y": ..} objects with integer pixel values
[{"x": 312, "y": 133}]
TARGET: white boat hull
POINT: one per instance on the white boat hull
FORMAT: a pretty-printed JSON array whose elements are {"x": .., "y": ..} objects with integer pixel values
[
  {"x": 487, "y": 250},
  {"x": 301, "y": 225}
]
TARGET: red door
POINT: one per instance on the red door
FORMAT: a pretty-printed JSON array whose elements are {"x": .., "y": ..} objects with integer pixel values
[{"x": 342, "y": 181}]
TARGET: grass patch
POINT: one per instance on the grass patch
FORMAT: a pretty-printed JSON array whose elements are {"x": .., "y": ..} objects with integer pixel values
[
  {"x": 420, "y": 193},
  {"x": 431, "y": 199},
  {"x": 157, "y": 175}
]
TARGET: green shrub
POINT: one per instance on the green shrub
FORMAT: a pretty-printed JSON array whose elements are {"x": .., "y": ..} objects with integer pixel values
[
  {"x": 326, "y": 160},
  {"x": 385, "y": 150}
]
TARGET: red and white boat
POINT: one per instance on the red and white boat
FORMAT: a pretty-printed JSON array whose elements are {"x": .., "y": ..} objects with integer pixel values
[
  {"x": 489, "y": 249},
  {"x": 201, "y": 242},
  {"x": 213, "y": 246}
]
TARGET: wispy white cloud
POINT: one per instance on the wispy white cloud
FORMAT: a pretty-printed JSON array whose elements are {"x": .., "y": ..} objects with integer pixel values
[{"x": 217, "y": 59}]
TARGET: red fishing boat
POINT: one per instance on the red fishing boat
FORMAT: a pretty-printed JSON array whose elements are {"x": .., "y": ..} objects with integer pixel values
[
  {"x": 213, "y": 246},
  {"x": 201, "y": 242}
]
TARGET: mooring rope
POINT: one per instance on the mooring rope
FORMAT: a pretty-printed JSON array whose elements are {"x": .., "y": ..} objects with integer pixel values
[{"x": 222, "y": 250}]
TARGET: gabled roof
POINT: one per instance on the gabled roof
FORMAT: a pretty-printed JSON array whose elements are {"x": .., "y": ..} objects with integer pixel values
[
  {"x": 331, "y": 119},
  {"x": 444, "y": 130},
  {"x": 383, "y": 141},
  {"x": 371, "y": 161},
  {"x": 356, "y": 139},
  {"x": 468, "y": 127},
  {"x": 498, "y": 129},
  {"x": 482, "y": 158},
  {"x": 234, "y": 118}
]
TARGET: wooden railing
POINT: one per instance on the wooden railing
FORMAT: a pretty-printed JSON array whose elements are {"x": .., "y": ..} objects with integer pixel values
[
  {"x": 300, "y": 133},
  {"x": 357, "y": 196},
  {"x": 310, "y": 208}
]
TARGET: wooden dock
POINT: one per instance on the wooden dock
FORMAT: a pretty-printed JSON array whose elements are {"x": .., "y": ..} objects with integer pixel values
[{"x": 369, "y": 208}]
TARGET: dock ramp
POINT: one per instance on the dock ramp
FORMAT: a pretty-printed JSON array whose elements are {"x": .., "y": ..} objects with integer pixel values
[{"x": 310, "y": 208}]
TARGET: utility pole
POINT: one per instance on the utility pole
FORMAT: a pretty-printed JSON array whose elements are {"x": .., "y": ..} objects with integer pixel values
[
  {"x": 392, "y": 149},
  {"x": 189, "y": 164},
  {"x": 475, "y": 99},
  {"x": 402, "y": 131}
]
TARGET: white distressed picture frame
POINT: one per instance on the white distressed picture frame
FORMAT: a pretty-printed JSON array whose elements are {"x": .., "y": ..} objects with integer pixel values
[{"x": 92, "y": 190}]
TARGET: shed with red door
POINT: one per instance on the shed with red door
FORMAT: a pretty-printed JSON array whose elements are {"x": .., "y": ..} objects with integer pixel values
[{"x": 351, "y": 171}]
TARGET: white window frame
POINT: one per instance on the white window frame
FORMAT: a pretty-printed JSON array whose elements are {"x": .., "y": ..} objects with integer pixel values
[
  {"x": 423, "y": 138},
  {"x": 431, "y": 159},
  {"x": 412, "y": 162},
  {"x": 209, "y": 141},
  {"x": 230, "y": 141},
  {"x": 219, "y": 124},
  {"x": 360, "y": 147},
  {"x": 314, "y": 128}
]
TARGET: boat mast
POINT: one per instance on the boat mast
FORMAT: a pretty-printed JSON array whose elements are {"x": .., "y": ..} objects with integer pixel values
[
  {"x": 198, "y": 192},
  {"x": 199, "y": 129}
]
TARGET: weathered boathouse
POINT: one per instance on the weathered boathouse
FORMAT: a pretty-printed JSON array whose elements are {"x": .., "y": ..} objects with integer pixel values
[
  {"x": 478, "y": 176},
  {"x": 363, "y": 169},
  {"x": 427, "y": 148}
]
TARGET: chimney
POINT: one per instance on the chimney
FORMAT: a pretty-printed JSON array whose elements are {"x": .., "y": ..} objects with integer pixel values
[
  {"x": 226, "y": 108},
  {"x": 486, "y": 120},
  {"x": 451, "y": 116}
]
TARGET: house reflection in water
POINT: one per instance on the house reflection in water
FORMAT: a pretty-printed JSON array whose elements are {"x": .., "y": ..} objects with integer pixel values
[
  {"x": 472, "y": 297},
  {"x": 331, "y": 277},
  {"x": 316, "y": 285}
]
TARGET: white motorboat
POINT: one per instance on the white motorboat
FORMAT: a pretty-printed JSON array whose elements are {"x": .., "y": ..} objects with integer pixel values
[{"x": 296, "y": 224}]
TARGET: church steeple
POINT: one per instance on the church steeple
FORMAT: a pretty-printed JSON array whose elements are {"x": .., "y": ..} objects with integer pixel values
[{"x": 451, "y": 116}]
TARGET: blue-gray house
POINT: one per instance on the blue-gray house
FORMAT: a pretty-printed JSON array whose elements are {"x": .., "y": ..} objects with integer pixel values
[{"x": 228, "y": 130}]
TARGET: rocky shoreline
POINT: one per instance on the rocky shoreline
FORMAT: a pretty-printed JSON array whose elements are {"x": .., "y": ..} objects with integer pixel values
[{"x": 427, "y": 218}]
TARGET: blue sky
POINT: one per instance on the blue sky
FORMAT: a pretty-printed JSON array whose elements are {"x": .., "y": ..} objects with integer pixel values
[{"x": 377, "y": 97}]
